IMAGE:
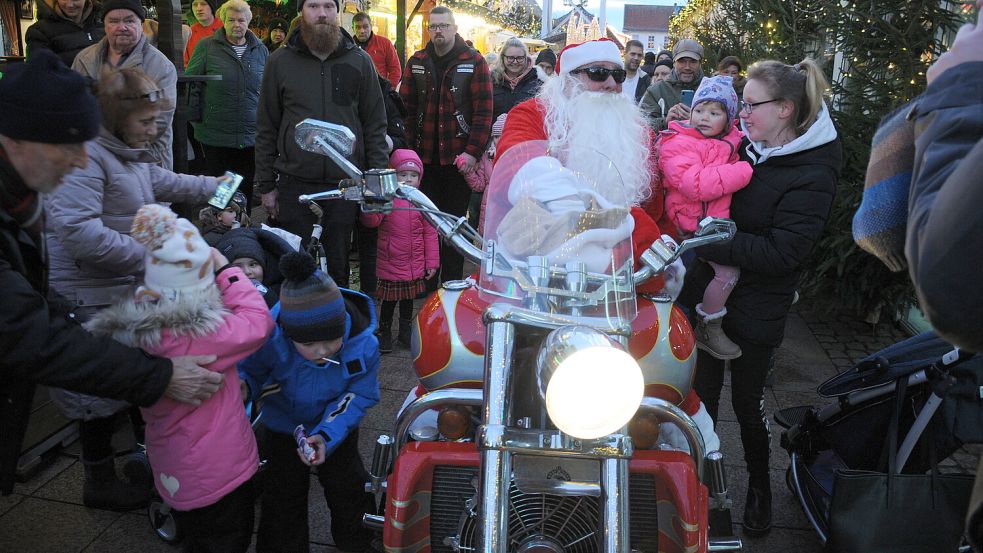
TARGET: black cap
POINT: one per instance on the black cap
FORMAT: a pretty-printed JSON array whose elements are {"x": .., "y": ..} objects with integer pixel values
[
  {"x": 42, "y": 100},
  {"x": 133, "y": 5}
]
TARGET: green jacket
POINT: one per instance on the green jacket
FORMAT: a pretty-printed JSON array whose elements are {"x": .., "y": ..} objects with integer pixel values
[
  {"x": 663, "y": 95},
  {"x": 229, "y": 111},
  {"x": 343, "y": 89}
]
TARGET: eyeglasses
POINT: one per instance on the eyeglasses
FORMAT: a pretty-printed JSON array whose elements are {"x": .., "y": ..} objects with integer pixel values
[
  {"x": 514, "y": 59},
  {"x": 438, "y": 26},
  {"x": 601, "y": 74},
  {"x": 749, "y": 106},
  {"x": 153, "y": 96}
]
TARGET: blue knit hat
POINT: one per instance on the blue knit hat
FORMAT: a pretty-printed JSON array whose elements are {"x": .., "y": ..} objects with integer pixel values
[
  {"x": 718, "y": 89},
  {"x": 311, "y": 306},
  {"x": 42, "y": 100}
]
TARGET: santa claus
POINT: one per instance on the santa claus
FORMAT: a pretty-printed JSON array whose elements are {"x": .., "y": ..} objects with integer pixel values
[{"x": 583, "y": 115}]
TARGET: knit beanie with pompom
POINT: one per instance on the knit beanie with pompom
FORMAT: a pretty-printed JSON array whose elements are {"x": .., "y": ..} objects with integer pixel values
[
  {"x": 178, "y": 260},
  {"x": 311, "y": 306}
]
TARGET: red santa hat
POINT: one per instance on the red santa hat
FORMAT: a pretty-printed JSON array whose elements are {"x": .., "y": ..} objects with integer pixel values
[{"x": 577, "y": 55}]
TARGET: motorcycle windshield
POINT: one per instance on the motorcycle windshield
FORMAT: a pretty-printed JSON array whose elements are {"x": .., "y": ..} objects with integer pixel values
[{"x": 558, "y": 235}]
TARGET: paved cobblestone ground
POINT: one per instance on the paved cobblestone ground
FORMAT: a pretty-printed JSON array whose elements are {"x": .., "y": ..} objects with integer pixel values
[{"x": 45, "y": 514}]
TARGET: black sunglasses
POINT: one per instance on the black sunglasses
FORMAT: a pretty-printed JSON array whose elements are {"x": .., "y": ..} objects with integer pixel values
[{"x": 601, "y": 74}]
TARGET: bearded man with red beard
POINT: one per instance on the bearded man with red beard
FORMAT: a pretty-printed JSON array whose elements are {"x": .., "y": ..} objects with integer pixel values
[
  {"x": 319, "y": 72},
  {"x": 582, "y": 113}
]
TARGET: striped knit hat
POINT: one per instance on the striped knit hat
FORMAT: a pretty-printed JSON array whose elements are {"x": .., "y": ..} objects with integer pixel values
[{"x": 311, "y": 306}]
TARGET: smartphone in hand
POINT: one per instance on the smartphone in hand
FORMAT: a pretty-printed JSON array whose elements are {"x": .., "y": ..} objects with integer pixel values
[
  {"x": 226, "y": 189},
  {"x": 688, "y": 97}
]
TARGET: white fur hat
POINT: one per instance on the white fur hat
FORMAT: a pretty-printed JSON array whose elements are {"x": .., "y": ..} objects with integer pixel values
[
  {"x": 578, "y": 55},
  {"x": 178, "y": 259}
]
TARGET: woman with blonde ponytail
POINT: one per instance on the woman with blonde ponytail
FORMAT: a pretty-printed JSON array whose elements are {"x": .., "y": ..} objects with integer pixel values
[{"x": 795, "y": 154}]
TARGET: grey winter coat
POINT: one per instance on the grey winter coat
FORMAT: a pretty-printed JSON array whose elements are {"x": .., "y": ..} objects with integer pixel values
[
  {"x": 93, "y": 259},
  {"x": 229, "y": 111},
  {"x": 89, "y": 62},
  {"x": 663, "y": 95}
]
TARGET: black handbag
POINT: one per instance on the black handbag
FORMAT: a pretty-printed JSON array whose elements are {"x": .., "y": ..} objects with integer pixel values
[{"x": 874, "y": 512}]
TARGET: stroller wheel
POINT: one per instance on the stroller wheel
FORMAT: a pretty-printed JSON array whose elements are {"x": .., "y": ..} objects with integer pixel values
[
  {"x": 163, "y": 522},
  {"x": 136, "y": 468}
]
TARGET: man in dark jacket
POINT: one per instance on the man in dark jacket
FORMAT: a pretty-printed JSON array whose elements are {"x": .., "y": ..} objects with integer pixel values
[
  {"x": 66, "y": 28},
  {"x": 638, "y": 81},
  {"x": 663, "y": 100},
  {"x": 49, "y": 113},
  {"x": 318, "y": 73},
  {"x": 227, "y": 130},
  {"x": 447, "y": 91}
]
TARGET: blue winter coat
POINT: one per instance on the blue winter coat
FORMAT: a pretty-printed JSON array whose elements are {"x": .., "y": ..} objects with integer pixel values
[{"x": 329, "y": 399}]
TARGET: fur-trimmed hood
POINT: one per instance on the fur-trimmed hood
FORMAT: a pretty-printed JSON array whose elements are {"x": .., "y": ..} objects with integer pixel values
[{"x": 138, "y": 323}]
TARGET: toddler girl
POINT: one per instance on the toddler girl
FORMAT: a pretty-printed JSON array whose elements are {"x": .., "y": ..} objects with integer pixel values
[
  {"x": 408, "y": 254},
  {"x": 214, "y": 223},
  {"x": 700, "y": 169},
  {"x": 193, "y": 302}
]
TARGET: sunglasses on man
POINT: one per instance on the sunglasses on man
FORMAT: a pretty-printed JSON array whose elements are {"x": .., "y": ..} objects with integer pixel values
[{"x": 601, "y": 74}]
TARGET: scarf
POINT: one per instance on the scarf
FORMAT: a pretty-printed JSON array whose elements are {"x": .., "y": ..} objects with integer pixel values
[
  {"x": 19, "y": 201},
  {"x": 515, "y": 82}
]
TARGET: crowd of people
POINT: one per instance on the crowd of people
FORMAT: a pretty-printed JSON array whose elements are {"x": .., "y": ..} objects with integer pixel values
[{"x": 84, "y": 242}]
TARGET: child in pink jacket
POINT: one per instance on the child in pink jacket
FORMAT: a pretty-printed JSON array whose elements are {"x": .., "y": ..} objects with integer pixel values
[
  {"x": 408, "y": 253},
  {"x": 193, "y": 302},
  {"x": 700, "y": 170}
]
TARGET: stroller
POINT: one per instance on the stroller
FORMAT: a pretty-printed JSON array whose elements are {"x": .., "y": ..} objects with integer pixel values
[{"x": 943, "y": 385}]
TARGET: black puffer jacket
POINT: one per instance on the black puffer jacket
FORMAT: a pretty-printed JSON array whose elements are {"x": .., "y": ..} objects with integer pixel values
[
  {"x": 505, "y": 97},
  {"x": 63, "y": 36},
  {"x": 42, "y": 343},
  {"x": 780, "y": 215}
]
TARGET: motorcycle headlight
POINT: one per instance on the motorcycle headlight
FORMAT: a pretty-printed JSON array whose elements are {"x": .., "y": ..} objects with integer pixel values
[{"x": 590, "y": 384}]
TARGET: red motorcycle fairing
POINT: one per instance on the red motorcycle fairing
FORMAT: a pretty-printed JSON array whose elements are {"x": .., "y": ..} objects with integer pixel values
[
  {"x": 681, "y": 500},
  {"x": 452, "y": 355}
]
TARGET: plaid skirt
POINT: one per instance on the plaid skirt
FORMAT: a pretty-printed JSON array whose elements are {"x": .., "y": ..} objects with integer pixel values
[{"x": 395, "y": 290}]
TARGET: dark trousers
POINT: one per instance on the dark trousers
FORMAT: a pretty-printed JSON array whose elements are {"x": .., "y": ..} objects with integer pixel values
[
  {"x": 747, "y": 377},
  {"x": 448, "y": 190},
  {"x": 339, "y": 222},
  {"x": 368, "y": 239},
  {"x": 218, "y": 160},
  {"x": 222, "y": 527},
  {"x": 286, "y": 480},
  {"x": 389, "y": 308}
]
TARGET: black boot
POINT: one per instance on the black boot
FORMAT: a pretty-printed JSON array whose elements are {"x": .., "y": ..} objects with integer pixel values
[
  {"x": 405, "y": 330},
  {"x": 104, "y": 490},
  {"x": 385, "y": 334},
  {"x": 757, "y": 506}
]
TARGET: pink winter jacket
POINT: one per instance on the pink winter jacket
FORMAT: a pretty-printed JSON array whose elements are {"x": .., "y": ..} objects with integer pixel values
[
  {"x": 699, "y": 174},
  {"x": 407, "y": 244},
  {"x": 200, "y": 454}
]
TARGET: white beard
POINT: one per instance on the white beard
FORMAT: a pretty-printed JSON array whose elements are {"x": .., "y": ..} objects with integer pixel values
[{"x": 596, "y": 131}]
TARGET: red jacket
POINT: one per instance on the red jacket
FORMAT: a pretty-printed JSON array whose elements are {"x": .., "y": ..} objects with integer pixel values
[
  {"x": 383, "y": 55},
  {"x": 434, "y": 118},
  {"x": 407, "y": 244},
  {"x": 699, "y": 174},
  {"x": 198, "y": 32}
]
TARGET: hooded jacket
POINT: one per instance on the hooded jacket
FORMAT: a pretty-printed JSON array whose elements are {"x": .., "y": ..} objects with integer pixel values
[
  {"x": 89, "y": 63},
  {"x": 92, "y": 256},
  {"x": 42, "y": 342},
  {"x": 780, "y": 215},
  {"x": 62, "y": 35},
  {"x": 229, "y": 114},
  {"x": 663, "y": 95},
  {"x": 342, "y": 89},
  {"x": 407, "y": 245},
  {"x": 199, "y": 454},
  {"x": 699, "y": 174},
  {"x": 328, "y": 399}
]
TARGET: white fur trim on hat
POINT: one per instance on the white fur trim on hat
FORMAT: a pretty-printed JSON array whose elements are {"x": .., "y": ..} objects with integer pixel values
[{"x": 593, "y": 51}]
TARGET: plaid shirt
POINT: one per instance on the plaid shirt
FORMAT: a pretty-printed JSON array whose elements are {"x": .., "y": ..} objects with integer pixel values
[{"x": 439, "y": 119}]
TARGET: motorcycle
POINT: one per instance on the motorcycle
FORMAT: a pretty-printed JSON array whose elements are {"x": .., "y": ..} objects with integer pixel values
[{"x": 547, "y": 419}]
